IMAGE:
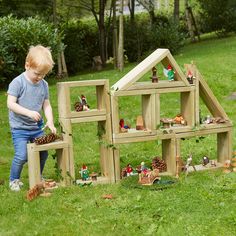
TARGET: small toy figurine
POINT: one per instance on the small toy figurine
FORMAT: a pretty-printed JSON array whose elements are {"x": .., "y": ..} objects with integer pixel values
[
  {"x": 129, "y": 170},
  {"x": 82, "y": 105},
  {"x": 180, "y": 120},
  {"x": 144, "y": 169},
  {"x": 154, "y": 75},
  {"x": 190, "y": 77},
  {"x": 189, "y": 163},
  {"x": 169, "y": 73},
  {"x": 84, "y": 173},
  {"x": 139, "y": 123},
  {"x": 205, "y": 161},
  {"x": 123, "y": 128}
]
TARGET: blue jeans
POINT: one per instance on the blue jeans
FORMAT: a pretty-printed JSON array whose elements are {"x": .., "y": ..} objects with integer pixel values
[{"x": 20, "y": 139}]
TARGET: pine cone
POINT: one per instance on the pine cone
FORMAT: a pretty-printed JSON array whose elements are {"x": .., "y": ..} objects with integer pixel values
[
  {"x": 159, "y": 164},
  {"x": 78, "y": 106},
  {"x": 48, "y": 138}
]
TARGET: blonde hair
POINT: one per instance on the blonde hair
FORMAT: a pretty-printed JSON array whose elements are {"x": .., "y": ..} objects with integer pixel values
[{"x": 40, "y": 58}]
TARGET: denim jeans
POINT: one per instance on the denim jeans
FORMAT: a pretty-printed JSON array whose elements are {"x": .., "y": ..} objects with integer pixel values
[{"x": 20, "y": 139}]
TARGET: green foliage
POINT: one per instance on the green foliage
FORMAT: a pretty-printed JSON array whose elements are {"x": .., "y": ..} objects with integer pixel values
[
  {"x": 141, "y": 37},
  {"x": 81, "y": 40},
  {"x": 16, "y": 37},
  {"x": 26, "y": 8},
  {"x": 218, "y": 16}
]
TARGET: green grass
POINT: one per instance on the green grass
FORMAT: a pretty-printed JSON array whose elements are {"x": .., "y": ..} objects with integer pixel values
[{"x": 203, "y": 203}]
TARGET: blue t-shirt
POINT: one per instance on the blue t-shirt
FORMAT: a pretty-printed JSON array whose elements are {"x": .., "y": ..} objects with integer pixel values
[{"x": 30, "y": 96}]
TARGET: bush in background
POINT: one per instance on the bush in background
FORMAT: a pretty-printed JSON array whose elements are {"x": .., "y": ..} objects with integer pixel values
[
  {"x": 81, "y": 40},
  {"x": 218, "y": 16},
  {"x": 17, "y": 35}
]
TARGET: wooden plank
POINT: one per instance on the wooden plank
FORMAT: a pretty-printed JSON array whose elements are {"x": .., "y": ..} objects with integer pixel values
[
  {"x": 63, "y": 165},
  {"x": 202, "y": 132},
  {"x": 224, "y": 146},
  {"x": 209, "y": 99},
  {"x": 133, "y": 92},
  {"x": 82, "y": 83},
  {"x": 134, "y": 133},
  {"x": 169, "y": 155},
  {"x": 117, "y": 169},
  {"x": 88, "y": 119},
  {"x": 114, "y": 114},
  {"x": 93, "y": 112},
  {"x": 33, "y": 166},
  {"x": 175, "y": 90},
  {"x": 63, "y": 97},
  {"x": 187, "y": 107},
  {"x": 142, "y": 68},
  {"x": 49, "y": 146},
  {"x": 147, "y": 114},
  {"x": 160, "y": 84},
  {"x": 156, "y": 110},
  {"x": 67, "y": 137}
]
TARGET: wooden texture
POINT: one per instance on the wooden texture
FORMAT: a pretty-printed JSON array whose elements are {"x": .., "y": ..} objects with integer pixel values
[
  {"x": 209, "y": 99},
  {"x": 142, "y": 68},
  {"x": 62, "y": 150}
]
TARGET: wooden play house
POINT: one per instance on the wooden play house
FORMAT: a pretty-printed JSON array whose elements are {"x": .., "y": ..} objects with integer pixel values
[
  {"x": 107, "y": 116},
  {"x": 150, "y": 92}
]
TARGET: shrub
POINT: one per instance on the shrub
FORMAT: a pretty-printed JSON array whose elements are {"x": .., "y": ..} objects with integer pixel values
[
  {"x": 81, "y": 40},
  {"x": 218, "y": 16},
  {"x": 16, "y": 37}
]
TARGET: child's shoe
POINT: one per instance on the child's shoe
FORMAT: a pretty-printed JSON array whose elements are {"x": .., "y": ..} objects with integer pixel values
[{"x": 15, "y": 185}]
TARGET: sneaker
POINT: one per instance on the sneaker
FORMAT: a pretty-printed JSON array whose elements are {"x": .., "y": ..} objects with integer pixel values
[
  {"x": 20, "y": 183},
  {"x": 14, "y": 185}
]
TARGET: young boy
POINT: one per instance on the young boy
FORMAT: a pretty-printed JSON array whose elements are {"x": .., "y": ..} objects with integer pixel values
[{"x": 28, "y": 95}]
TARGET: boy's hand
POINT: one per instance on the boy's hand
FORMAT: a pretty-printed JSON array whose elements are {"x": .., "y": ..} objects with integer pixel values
[
  {"x": 34, "y": 115},
  {"x": 51, "y": 127}
]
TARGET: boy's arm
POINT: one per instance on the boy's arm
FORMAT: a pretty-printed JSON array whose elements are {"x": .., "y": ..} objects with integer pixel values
[
  {"x": 49, "y": 116},
  {"x": 15, "y": 107}
]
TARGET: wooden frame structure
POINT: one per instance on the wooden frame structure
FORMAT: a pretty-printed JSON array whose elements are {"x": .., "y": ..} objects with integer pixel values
[
  {"x": 101, "y": 114},
  {"x": 62, "y": 151},
  {"x": 189, "y": 100},
  {"x": 107, "y": 116}
]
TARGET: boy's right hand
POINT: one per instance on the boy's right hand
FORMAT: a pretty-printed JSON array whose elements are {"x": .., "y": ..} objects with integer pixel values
[{"x": 34, "y": 115}]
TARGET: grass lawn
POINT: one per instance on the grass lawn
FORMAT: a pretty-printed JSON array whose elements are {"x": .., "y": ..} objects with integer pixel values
[{"x": 202, "y": 203}]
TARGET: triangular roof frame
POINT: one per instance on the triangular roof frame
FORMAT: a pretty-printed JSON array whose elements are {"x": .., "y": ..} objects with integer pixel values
[{"x": 160, "y": 55}]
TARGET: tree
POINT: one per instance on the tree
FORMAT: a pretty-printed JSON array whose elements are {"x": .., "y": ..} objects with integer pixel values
[
  {"x": 98, "y": 11},
  {"x": 176, "y": 11},
  {"x": 120, "y": 62},
  {"x": 149, "y": 5}
]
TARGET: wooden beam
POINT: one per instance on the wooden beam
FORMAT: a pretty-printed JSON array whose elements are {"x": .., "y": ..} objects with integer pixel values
[{"x": 142, "y": 68}]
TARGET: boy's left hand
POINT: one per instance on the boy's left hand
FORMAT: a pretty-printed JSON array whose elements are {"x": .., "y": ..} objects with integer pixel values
[{"x": 51, "y": 127}]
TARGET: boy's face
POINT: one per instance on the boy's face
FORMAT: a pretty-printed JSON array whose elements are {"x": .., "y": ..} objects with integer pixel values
[{"x": 34, "y": 74}]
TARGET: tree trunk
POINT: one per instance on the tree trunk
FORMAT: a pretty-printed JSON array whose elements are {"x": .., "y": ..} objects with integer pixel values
[
  {"x": 115, "y": 46},
  {"x": 176, "y": 11},
  {"x": 131, "y": 5},
  {"x": 121, "y": 38},
  {"x": 102, "y": 34}
]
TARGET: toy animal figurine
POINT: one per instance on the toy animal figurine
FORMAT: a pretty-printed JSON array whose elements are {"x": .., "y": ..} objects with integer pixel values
[
  {"x": 169, "y": 73},
  {"x": 154, "y": 75},
  {"x": 205, "y": 161},
  {"x": 84, "y": 173},
  {"x": 189, "y": 163},
  {"x": 82, "y": 105}
]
